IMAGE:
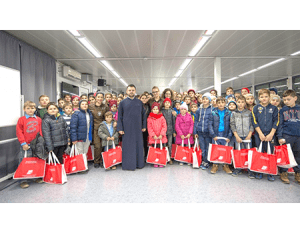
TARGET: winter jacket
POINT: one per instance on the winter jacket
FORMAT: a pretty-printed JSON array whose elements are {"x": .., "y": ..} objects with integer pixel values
[
  {"x": 152, "y": 100},
  {"x": 170, "y": 119},
  {"x": 266, "y": 118},
  {"x": 40, "y": 112},
  {"x": 54, "y": 131},
  {"x": 37, "y": 146},
  {"x": 184, "y": 125},
  {"x": 78, "y": 126},
  {"x": 98, "y": 114},
  {"x": 214, "y": 122},
  {"x": 147, "y": 109},
  {"x": 202, "y": 119},
  {"x": 115, "y": 116},
  {"x": 103, "y": 133},
  {"x": 193, "y": 115},
  {"x": 241, "y": 122},
  {"x": 156, "y": 125},
  {"x": 289, "y": 121}
]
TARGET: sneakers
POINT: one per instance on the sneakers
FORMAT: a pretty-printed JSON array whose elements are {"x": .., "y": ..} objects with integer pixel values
[
  {"x": 297, "y": 177},
  {"x": 181, "y": 164},
  {"x": 284, "y": 177},
  {"x": 236, "y": 172},
  {"x": 227, "y": 169},
  {"x": 39, "y": 181},
  {"x": 204, "y": 166},
  {"x": 189, "y": 164},
  {"x": 214, "y": 169},
  {"x": 160, "y": 166},
  {"x": 114, "y": 168},
  {"x": 251, "y": 175},
  {"x": 155, "y": 165},
  {"x": 171, "y": 162},
  {"x": 24, "y": 185},
  {"x": 96, "y": 165},
  {"x": 271, "y": 178},
  {"x": 259, "y": 176}
]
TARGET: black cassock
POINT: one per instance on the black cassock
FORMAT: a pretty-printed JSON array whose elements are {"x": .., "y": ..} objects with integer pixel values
[{"x": 131, "y": 120}]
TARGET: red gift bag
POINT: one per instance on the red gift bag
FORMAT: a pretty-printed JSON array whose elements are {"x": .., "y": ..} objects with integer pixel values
[
  {"x": 55, "y": 172},
  {"x": 157, "y": 156},
  {"x": 240, "y": 156},
  {"x": 174, "y": 146},
  {"x": 285, "y": 156},
  {"x": 291, "y": 170},
  {"x": 197, "y": 155},
  {"x": 219, "y": 153},
  {"x": 90, "y": 153},
  {"x": 184, "y": 154},
  {"x": 30, "y": 168},
  {"x": 262, "y": 162},
  {"x": 112, "y": 157},
  {"x": 75, "y": 162}
]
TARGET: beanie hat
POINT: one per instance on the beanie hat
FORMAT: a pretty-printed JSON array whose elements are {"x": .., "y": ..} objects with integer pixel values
[
  {"x": 75, "y": 96},
  {"x": 167, "y": 99},
  {"x": 230, "y": 96},
  {"x": 80, "y": 102},
  {"x": 184, "y": 106},
  {"x": 155, "y": 104},
  {"x": 273, "y": 89},
  {"x": 91, "y": 93},
  {"x": 98, "y": 92},
  {"x": 207, "y": 95},
  {"x": 191, "y": 90},
  {"x": 112, "y": 103},
  {"x": 232, "y": 102},
  {"x": 245, "y": 88}
]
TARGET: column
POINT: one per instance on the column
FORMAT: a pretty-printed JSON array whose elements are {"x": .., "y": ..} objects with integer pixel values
[
  {"x": 217, "y": 75},
  {"x": 290, "y": 82}
]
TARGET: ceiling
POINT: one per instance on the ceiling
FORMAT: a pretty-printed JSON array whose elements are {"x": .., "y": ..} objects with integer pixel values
[{"x": 149, "y": 58}]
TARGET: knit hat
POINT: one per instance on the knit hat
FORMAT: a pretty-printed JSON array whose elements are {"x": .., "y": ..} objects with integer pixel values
[
  {"x": 245, "y": 88},
  {"x": 112, "y": 103},
  {"x": 273, "y": 89},
  {"x": 75, "y": 96},
  {"x": 98, "y": 92},
  {"x": 91, "y": 93},
  {"x": 232, "y": 102},
  {"x": 207, "y": 95},
  {"x": 192, "y": 91},
  {"x": 184, "y": 106},
  {"x": 82, "y": 101},
  {"x": 167, "y": 99},
  {"x": 155, "y": 104},
  {"x": 230, "y": 96}
]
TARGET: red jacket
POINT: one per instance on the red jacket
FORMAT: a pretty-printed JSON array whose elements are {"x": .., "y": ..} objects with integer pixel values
[
  {"x": 27, "y": 129},
  {"x": 156, "y": 125},
  {"x": 184, "y": 125}
]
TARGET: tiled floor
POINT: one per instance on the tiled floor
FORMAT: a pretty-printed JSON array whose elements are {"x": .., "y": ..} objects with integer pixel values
[{"x": 173, "y": 184}]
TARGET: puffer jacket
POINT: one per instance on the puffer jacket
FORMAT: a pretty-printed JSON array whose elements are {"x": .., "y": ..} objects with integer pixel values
[
  {"x": 78, "y": 126},
  {"x": 170, "y": 119},
  {"x": 54, "y": 131},
  {"x": 202, "y": 119},
  {"x": 184, "y": 125},
  {"x": 156, "y": 125},
  {"x": 103, "y": 133},
  {"x": 241, "y": 122},
  {"x": 214, "y": 122}
]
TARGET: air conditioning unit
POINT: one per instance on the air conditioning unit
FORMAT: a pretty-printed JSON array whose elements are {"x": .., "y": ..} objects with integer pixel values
[
  {"x": 87, "y": 77},
  {"x": 68, "y": 72}
]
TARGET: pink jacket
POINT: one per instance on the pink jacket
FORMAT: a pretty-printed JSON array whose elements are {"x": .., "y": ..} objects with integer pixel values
[
  {"x": 156, "y": 125},
  {"x": 116, "y": 116},
  {"x": 184, "y": 125}
]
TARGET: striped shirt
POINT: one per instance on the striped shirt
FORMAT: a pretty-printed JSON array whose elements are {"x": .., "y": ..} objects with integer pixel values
[{"x": 68, "y": 120}]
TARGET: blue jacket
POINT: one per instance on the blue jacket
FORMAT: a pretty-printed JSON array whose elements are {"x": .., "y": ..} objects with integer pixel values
[
  {"x": 214, "y": 121},
  {"x": 265, "y": 118},
  {"x": 289, "y": 121},
  {"x": 78, "y": 126},
  {"x": 202, "y": 119}
]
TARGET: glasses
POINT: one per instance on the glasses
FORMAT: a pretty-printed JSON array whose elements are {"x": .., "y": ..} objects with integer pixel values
[{"x": 154, "y": 92}]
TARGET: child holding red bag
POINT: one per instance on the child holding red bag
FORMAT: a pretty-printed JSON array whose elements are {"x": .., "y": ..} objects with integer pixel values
[
  {"x": 184, "y": 127},
  {"x": 157, "y": 127}
]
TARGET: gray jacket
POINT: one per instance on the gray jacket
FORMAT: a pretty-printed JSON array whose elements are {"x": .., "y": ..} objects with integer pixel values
[
  {"x": 54, "y": 131},
  {"x": 104, "y": 133},
  {"x": 241, "y": 122},
  {"x": 170, "y": 119}
]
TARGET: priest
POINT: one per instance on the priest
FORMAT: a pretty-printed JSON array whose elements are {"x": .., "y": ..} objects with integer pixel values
[{"x": 132, "y": 123}]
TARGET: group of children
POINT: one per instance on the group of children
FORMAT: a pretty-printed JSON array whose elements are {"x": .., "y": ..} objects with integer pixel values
[{"x": 174, "y": 118}]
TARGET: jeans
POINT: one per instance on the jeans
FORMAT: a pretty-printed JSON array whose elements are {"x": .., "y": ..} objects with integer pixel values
[
  {"x": 109, "y": 147},
  {"x": 204, "y": 140},
  {"x": 244, "y": 145},
  {"x": 294, "y": 141},
  {"x": 232, "y": 142},
  {"x": 220, "y": 141},
  {"x": 170, "y": 139}
]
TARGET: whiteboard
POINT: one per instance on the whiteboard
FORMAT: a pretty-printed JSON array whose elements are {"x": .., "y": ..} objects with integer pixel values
[{"x": 10, "y": 96}]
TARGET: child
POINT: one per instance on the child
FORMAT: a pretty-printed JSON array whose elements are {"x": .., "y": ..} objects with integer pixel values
[
  {"x": 187, "y": 100},
  {"x": 250, "y": 101},
  {"x": 276, "y": 101},
  {"x": 245, "y": 91},
  {"x": 67, "y": 98},
  {"x": 273, "y": 91},
  {"x": 81, "y": 127},
  {"x": 114, "y": 109},
  {"x": 176, "y": 108},
  {"x": 213, "y": 101},
  {"x": 108, "y": 133},
  {"x": 193, "y": 108},
  {"x": 199, "y": 100},
  {"x": 107, "y": 97},
  {"x": 68, "y": 110},
  {"x": 192, "y": 94},
  {"x": 237, "y": 94},
  {"x": 201, "y": 128},
  {"x": 84, "y": 97},
  {"x": 114, "y": 97},
  {"x": 55, "y": 131},
  {"x": 41, "y": 110},
  {"x": 242, "y": 128},
  {"x": 229, "y": 91},
  {"x": 230, "y": 98},
  {"x": 265, "y": 121},
  {"x": 289, "y": 131},
  {"x": 26, "y": 130},
  {"x": 219, "y": 126},
  {"x": 170, "y": 119},
  {"x": 75, "y": 102},
  {"x": 120, "y": 99},
  {"x": 157, "y": 127},
  {"x": 91, "y": 98},
  {"x": 214, "y": 93},
  {"x": 184, "y": 127},
  {"x": 232, "y": 105},
  {"x": 178, "y": 97},
  {"x": 61, "y": 103}
]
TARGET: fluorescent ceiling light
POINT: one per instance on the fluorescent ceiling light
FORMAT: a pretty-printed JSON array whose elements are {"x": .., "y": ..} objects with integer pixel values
[
  {"x": 209, "y": 32},
  {"x": 116, "y": 74},
  {"x": 296, "y": 53},
  {"x": 178, "y": 73},
  {"x": 199, "y": 45},
  {"x": 107, "y": 65},
  {"x": 249, "y": 72},
  {"x": 74, "y": 32},
  {"x": 280, "y": 86},
  {"x": 87, "y": 44},
  {"x": 228, "y": 80},
  {"x": 296, "y": 83},
  {"x": 271, "y": 63},
  {"x": 185, "y": 64},
  {"x": 172, "y": 81}
]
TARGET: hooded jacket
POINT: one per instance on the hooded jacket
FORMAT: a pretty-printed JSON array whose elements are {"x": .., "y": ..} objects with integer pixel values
[
  {"x": 241, "y": 122},
  {"x": 170, "y": 119},
  {"x": 103, "y": 133},
  {"x": 202, "y": 119},
  {"x": 214, "y": 122},
  {"x": 54, "y": 131},
  {"x": 184, "y": 125},
  {"x": 156, "y": 125}
]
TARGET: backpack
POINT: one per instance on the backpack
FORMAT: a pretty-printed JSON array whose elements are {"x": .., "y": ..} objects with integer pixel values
[{"x": 37, "y": 146}]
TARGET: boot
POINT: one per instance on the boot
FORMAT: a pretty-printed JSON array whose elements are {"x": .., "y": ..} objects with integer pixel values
[
  {"x": 171, "y": 162},
  {"x": 227, "y": 169},
  {"x": 284, "y": 177},
  {"x": 297, "y": 177},
  {"x": 214, "y": 169}
]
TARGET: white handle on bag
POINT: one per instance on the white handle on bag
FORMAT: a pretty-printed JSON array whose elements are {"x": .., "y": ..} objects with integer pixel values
[
  {"x": 246, "y": 141},
  {"x": 160, "y": 141},
  {"x": 221, "y": 138},
  {"x": 50, "y": 158},
  {"x": 55, "y": 158},
  {"x": 74, "y": 150},
  {"x": 25, "y": 155},
  {"x": 196, "y": 144},
  {"x": 268, "y": 150}
]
